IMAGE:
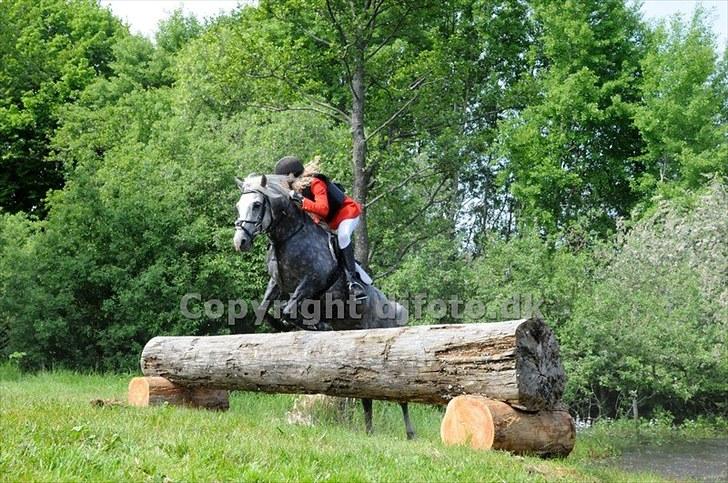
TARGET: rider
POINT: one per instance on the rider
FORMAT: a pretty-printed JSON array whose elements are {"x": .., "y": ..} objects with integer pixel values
[{"x": 317, "y": 195}]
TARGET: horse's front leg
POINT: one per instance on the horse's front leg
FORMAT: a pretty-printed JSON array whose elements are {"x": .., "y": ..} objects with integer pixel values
[
  {"x": 272, "y": 292},
  {"x": 305, "y": 290}
]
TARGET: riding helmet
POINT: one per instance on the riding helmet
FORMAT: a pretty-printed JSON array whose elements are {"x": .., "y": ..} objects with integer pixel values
[{"x": 289, "y": 165}]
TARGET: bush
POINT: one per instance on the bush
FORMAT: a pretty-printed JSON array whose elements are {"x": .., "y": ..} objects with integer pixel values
[
  {"x": 655, "y": 327},
  {"x": 540, "y": 273}
]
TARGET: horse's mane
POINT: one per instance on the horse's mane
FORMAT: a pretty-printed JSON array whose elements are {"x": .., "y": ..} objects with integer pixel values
[
  {"x": 276, "y": 190},
  {"x": 279, "y": 184}
]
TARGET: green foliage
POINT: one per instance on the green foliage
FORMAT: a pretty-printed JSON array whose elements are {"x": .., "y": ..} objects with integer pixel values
[
  {"x": 654, "y": 327},
  {"x": 435, "y": 272},
  {"x": 566, "y": 149},
  {"x": 49, "y": 51},
  {"x": 17, "y": 234},
  {"x": 528, "y": 273},
  {"x": 683, "y": 117}
]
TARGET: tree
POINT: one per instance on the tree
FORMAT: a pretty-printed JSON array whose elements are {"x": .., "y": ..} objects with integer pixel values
[
  {"x": 435, "y": 83},
  {"x": 49, "y": 51},
  {"x": 682, "y": 114},
  {"x": 363, "y": 64},
  {"x": 566, "y": 154}
]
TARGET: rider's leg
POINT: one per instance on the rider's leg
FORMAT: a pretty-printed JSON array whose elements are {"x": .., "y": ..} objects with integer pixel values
[
  {"x": 343, "y": 233},
  {"x": 345, "y": 230}
]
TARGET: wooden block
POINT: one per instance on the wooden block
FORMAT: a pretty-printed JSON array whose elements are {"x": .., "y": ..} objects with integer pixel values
[
  {"x": 154, "y": 391},
  {"x": 476, "y": 421},
  {"x": 467, "y": 422}
]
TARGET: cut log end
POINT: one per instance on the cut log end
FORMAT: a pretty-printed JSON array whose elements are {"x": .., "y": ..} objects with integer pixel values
[
  {"x": 467, "y": 422},
  {"x": 155, "y": 391},
  {"x": 540, "y": 374},
  {"x": 475, "y": 420}
]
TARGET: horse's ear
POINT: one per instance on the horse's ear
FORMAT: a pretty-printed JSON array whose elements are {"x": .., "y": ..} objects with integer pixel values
[
  {"x": 263, "y": 181},
  {"x": 240, "y": 183}
]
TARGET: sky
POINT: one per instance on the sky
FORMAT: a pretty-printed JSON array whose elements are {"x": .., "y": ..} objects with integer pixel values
[{"x": 144, "y": 15}]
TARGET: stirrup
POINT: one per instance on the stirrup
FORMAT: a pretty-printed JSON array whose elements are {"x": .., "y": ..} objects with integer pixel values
[{"x": 357, "y": 290}]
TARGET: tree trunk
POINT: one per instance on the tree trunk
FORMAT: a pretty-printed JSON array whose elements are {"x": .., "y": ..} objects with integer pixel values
[
  {"x": 515, "y": 361},
  {"x": 359, "y": 153},
  {"x": 154, "y": 391},
  {"x": 483, "y": 423}
]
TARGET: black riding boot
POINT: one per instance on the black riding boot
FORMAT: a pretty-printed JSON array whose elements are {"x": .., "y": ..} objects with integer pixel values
[{"x": 356, "y": 289}]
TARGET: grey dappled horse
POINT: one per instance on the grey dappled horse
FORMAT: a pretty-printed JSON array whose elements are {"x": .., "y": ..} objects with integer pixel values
[{"x": 303, "y": 267}]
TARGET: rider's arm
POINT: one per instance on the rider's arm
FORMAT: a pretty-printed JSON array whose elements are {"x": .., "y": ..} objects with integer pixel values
[{"x": 320, "y": 204}]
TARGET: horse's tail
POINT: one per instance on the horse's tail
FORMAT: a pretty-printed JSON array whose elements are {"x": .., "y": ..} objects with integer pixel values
[
  {"x": 383, "y": 312},
  {"x": 402, "y": 315}
]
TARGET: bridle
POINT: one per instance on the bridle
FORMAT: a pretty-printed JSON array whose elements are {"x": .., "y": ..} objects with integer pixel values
[{"x": 258, "y": 228}]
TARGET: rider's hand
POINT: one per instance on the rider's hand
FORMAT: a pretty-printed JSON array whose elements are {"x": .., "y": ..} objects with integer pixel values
[{"x": 296, "y": 197}]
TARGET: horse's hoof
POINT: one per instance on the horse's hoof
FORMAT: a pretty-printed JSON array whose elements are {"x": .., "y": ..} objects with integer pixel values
[
  {"x": 288, "y": 311},
  {"x": 410, "y": 436}
]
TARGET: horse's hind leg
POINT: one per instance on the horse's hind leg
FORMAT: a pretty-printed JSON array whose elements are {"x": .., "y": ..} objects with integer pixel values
[
  {"x": 407, "y": 422},
  {"x": 367, "y": 405}
]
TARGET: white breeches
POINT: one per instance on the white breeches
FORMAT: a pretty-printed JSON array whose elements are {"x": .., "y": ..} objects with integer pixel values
[{"x": 344, "y": 231}]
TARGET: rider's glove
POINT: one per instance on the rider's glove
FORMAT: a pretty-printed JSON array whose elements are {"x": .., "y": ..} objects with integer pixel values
[{"x": 296, "y": 197}]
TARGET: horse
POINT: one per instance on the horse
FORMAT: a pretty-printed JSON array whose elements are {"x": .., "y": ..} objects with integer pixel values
[{"x": 303, "y": 267}]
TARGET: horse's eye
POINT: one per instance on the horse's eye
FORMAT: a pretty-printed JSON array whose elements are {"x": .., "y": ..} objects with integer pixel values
[{"x": 256, "y": 205}]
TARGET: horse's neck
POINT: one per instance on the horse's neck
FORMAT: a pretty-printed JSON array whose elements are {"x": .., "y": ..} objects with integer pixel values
[{"x": 287, "y": 225}]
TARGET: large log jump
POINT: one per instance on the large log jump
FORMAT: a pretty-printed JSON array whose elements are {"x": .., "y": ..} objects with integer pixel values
[
  {"x": 513, "y": 369},
  {"x": 515, "y": 361}
]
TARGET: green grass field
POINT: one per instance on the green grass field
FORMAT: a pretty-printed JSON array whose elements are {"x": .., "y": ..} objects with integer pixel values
[{"x": 51, "y": 432}]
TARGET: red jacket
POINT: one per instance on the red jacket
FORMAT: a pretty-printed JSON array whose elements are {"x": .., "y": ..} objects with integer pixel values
[{"x": 319, "y": 206}]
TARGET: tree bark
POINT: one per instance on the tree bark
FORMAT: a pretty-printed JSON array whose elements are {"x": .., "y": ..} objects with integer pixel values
[
  {"x": 359, "y": 153},
  {"x": 154, "y": 391},
  {"x": 515, "y": 361},
  {"x": 476, "y": 421}
]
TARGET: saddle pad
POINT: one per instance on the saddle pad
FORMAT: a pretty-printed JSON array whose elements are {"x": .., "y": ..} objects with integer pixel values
[{"x": 363, "y": 275}]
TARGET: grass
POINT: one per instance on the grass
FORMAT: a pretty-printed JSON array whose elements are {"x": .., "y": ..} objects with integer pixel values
[{"x": 51, "y": 432}]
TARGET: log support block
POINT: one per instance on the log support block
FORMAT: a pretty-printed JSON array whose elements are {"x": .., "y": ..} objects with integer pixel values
[
  {"x": 483, "y": 423},
  {"x": 154, "y": 391}
]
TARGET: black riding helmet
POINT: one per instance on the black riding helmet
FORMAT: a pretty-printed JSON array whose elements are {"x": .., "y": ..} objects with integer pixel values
[{"x": 289, "y": 165}]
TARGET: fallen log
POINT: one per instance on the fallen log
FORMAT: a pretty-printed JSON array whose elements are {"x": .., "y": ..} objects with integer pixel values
[
  {"x": 154, "y": 391},
  {"x": 515, "y": 361},
  {"x": 483, "y": 423}
]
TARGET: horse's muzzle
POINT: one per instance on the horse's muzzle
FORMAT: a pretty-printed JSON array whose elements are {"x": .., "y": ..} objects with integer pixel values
[{"x": 241, "y": 242}]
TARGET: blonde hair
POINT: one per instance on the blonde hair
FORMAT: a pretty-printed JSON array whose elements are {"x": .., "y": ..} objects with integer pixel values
[{"x": 309, "y": 170}]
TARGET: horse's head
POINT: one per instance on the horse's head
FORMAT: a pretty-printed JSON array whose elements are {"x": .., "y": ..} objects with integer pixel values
[{"x": 260, "y": 204}]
